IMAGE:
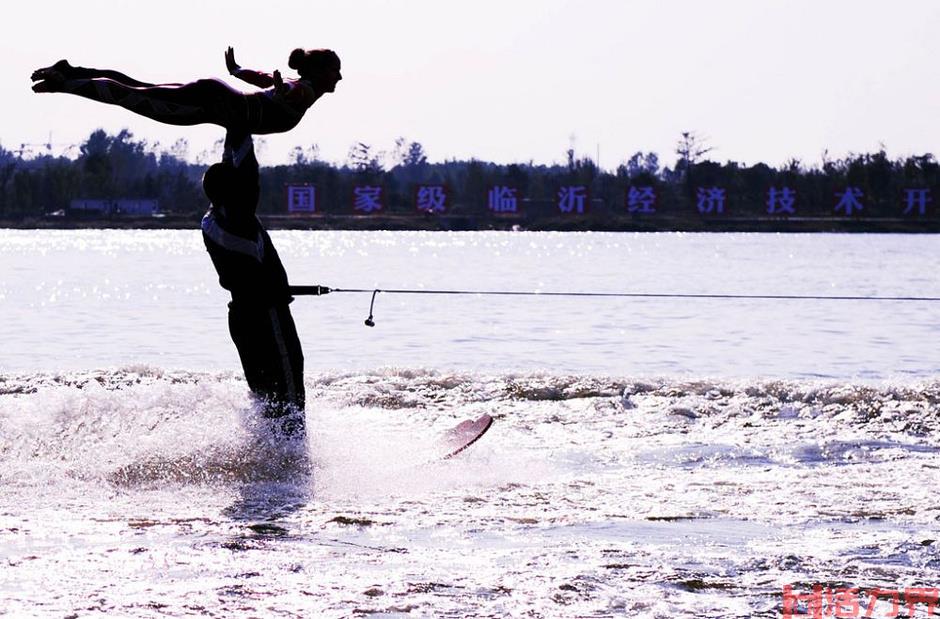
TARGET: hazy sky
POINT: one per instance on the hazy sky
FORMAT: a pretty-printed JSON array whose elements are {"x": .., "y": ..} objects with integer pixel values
[{"x": 513, "y": 80}]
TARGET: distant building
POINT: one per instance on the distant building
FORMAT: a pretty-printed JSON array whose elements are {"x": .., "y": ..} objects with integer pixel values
[
  {"x": 125, "y": 207},
  {"x": 90, "y": 207}
]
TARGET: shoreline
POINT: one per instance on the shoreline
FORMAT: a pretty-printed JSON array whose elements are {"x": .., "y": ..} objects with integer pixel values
[{"x": 470, "y": 223}]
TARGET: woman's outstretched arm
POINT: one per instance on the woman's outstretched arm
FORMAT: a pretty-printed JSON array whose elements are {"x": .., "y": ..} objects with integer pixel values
[{"x": 256, "y": 78}]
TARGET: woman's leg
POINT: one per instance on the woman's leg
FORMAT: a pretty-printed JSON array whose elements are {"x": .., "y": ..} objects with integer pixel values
[
  {"x": 202, "y": 101},
  {"x": 68, "y": 72}
]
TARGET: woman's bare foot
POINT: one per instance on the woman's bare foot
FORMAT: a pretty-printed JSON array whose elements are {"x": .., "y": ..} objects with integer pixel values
[
  {"x": 52, "y": 83},
  {"x": 62, "y": 68}
]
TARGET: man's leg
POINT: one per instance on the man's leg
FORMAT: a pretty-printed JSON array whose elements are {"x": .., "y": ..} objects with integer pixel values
[
  {"x": 288, "y": 371},
  {"x": 269, "y": 349}
]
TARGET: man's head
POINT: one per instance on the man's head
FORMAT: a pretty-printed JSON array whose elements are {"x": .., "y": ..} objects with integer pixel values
[
  {"x": 217, "y": 183},
  {"x": 226, "y": 187}
]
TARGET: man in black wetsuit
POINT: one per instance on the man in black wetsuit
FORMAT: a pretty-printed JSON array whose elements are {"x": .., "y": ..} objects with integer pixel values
[{"x": 259, "y": 318}]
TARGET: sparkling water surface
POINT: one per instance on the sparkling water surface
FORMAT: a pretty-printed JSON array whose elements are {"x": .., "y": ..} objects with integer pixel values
[
  {"x": 96, "y": 298},
  {"x": 654, "y": 458}
]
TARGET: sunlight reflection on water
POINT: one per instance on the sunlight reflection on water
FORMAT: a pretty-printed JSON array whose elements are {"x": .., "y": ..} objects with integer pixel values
[{"x": 85, "y": 298}]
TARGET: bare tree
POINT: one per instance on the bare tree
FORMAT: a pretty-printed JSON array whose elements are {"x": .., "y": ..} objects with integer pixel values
[
  {"x": 691, "y": 148},
  {"x": 363, "y": 160}
]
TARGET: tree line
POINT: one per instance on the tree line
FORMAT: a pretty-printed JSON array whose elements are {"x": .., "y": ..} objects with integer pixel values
[{"x": 112, "y": 166}]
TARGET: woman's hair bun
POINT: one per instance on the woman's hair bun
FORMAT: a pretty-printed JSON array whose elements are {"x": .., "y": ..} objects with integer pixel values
[{"x": 296, "y": 58}]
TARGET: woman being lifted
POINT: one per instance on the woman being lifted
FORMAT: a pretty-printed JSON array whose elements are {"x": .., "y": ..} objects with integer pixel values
[{"x": 276, "y": 109}]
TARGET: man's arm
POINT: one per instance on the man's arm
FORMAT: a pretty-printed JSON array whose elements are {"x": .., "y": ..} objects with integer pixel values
[
  {"x": 239, "y": 150},
  {"x": 244, "y": 188}
]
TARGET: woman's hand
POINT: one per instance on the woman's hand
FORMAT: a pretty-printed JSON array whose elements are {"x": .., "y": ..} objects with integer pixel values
[
  {"x": 279, "y": 87},
  {"x": 230, "y": 63}
]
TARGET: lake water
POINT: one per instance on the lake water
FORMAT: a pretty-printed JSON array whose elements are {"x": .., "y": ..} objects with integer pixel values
[
  {"x": 650, "y": 457},
  {"x": 90, "y": 299}
]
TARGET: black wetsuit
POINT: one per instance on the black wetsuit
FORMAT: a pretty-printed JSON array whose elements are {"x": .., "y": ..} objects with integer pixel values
[
  {"x": 259, "y": 318},
  {"x": 203, "y": 101}
]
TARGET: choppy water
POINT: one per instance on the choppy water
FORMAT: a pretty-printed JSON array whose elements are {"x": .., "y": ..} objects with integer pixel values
[
  {"x": 630, "y": 475},
  {"x": 144, "y": 492}
]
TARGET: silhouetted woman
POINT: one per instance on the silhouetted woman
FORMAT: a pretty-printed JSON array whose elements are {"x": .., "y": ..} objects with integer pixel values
[{"x": 276, "y": 109}]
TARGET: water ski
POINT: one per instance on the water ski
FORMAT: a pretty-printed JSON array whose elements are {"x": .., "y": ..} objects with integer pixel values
[{"x": 463, "y": 435}]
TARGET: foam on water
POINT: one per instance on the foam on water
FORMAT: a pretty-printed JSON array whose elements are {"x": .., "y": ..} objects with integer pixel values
[{"x": 149, "y": 492}]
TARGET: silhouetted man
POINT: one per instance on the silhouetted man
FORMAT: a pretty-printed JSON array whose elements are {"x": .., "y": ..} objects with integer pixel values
[{"x": 259, "y": 318}]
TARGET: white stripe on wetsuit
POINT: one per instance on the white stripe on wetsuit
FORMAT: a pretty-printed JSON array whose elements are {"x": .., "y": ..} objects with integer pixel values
[
  {"x": 133, "y": 101},
  {"x": 285, "y": 357},
  {"x": 231, "y": 242}
]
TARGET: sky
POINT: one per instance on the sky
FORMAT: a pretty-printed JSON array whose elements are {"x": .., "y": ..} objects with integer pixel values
[{"x": 511, "y": 80}]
